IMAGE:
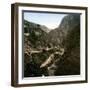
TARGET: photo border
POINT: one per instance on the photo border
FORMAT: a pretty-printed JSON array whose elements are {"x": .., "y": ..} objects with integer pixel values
[{"x": 14, "y": 43}]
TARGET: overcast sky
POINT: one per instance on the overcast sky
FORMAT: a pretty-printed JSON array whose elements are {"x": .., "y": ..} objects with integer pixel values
[{"x": 48, "y": 19}]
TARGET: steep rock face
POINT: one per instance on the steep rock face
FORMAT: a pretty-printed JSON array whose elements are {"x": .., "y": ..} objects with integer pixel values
[
  {"x": 70, "y": 63},
  {"x": 68, "y": 23}
]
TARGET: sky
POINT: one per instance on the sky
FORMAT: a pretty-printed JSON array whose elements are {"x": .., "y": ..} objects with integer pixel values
[{"x": 48, "y": 19}]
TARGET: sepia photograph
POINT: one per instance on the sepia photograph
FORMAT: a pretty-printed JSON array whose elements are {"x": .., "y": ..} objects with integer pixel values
[{"x": 49, "y": 44}]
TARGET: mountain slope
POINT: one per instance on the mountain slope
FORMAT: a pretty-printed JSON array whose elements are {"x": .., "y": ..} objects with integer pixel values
[
  {"x": 70, "y": 62},
  {"x": 68, "y": 23}
]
